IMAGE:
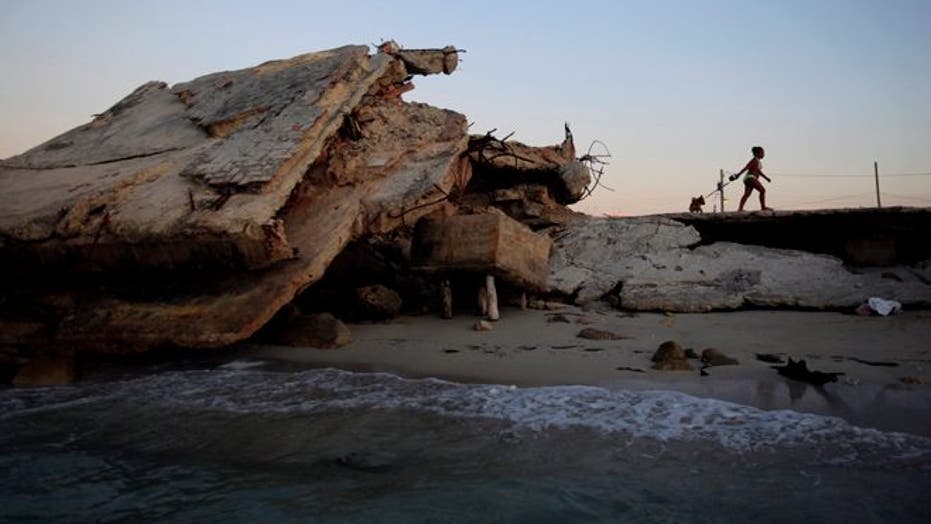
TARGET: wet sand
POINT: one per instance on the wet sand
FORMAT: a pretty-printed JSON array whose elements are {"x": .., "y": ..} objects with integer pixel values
[{"x": 533, "y": 348}]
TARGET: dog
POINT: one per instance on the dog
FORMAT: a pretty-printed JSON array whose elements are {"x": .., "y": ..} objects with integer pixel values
[{"x": 695, "y": 206}]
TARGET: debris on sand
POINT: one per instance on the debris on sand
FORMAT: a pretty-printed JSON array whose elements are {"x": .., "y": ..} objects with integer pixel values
[{"x": 799, "y": 371}]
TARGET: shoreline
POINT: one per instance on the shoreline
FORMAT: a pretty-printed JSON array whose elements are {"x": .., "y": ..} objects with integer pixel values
[{"x": 529, "y": 349}]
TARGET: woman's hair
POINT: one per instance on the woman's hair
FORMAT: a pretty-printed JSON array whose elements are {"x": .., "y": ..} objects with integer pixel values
[{"x": 756, "y": 149}]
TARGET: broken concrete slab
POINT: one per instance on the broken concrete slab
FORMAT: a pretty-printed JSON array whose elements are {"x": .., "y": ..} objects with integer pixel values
[
  {"x": 590, "y": 256},
  {"x": 194, "y": 175},
  {"x": 207, "y": 254},
  {"x": 504, "y": 163},
  {"x": 488, "y": 244},
  {"x": 649, "y": 264}
]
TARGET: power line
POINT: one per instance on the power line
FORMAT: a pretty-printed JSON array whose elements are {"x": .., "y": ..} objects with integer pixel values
[
  {"x": 832, "y": 199},
  {"x": 800, "y": 175},
  {"x": 824, "y": 175},
  {"x": 908, "y": 197}
]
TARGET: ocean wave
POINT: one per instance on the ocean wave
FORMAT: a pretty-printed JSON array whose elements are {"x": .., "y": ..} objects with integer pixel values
[{"x": 661, "y": 415}]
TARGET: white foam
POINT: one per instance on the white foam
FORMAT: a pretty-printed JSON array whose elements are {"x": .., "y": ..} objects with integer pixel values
[
  {"x": 660, "y": 415},
  {"x": 243, "y": 364}
]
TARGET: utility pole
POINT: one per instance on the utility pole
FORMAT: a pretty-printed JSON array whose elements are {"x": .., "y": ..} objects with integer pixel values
[
  {"x": 876, "y": 174},
  {"x": 721, "y": 189}
]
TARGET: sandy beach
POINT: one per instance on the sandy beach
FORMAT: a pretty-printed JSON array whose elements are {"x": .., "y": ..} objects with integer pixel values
[{"x": 539, "y": 348}]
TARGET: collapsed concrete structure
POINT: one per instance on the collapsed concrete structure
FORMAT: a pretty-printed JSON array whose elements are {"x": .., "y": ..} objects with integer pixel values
[
  {"x": 188, "y": 215},
  {"x": 196, "y": 215}
]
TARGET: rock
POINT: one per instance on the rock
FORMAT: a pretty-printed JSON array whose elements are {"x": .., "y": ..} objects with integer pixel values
[
  {"x": 377, "y": 303},
  {"x": 714, "y": 357},
  {"x": 558, "y": 318},
  {"x": 912, "y": 380},
  {"x": 598, "y": 334},
  {"x": 554, "y": 306},
  {"x": 46, "y": 370},
  {"x": 770, "y": 357},
  {"x": 690, "y": 353},
  {"x": 482, "y": 325},
  {"x": 670, "y": 357},
  {"x": 321, "y": 330}
]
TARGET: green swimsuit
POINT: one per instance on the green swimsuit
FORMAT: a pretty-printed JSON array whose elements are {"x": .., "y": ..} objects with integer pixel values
[{"x": 750, "y": 177}]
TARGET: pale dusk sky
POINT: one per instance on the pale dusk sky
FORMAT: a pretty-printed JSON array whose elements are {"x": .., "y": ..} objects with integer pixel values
[{"x": 676, "y": 89}]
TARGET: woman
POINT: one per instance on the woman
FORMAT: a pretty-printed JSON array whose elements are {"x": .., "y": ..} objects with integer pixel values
[{"x": 754, "y": 170}]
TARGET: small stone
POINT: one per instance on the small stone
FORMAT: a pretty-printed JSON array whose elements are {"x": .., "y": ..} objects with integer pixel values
[
  {"x": 673, "y": 365},
  {"x": 321, "y": 330},
  {"x": 377, "y": 302},
  {"x": 772, "y": 358},
  {"x": 554, "y": 305},
  {"x": 558, "y": 318},
  {"x": 670, "y": 357},
  {"x": 482, "y": 325},
  {"x": 599, "y": 334},
  {"x": 714, "y": 357}
]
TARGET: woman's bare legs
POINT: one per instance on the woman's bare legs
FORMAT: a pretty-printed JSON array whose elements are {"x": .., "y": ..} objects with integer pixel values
[
  {"x": 749, "y": 186},
  {"x": 762, "y": 189},
  {"x": 747, "y": 190}
]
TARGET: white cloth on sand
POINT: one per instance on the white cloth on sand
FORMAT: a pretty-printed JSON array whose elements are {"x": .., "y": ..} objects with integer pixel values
[{"x": 884, "y": 307}]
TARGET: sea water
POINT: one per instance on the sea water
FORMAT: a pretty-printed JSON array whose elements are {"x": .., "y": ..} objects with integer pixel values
[{"x": 249, "y": 442}]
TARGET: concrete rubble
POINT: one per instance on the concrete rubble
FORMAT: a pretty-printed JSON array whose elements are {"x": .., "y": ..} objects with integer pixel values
[
  {"x": 303, "y": 191},
  {"x": 661, "y": 264},
  {"x": 188, "y": 215}
]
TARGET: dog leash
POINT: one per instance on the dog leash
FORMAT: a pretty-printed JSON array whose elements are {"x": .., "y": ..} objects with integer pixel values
[{"x": 721, "y": 185}]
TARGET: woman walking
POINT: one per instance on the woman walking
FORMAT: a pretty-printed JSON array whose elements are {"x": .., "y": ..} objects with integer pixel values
[{"x": 754, "y": 170}]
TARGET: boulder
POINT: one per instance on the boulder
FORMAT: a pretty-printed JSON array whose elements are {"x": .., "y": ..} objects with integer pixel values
[
  {"x": 321, "y": 330},
  {"x": 670, "y": 356},
  {"x": 377, "y": 303}
]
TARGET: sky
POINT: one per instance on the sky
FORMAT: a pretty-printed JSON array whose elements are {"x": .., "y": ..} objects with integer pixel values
[{"x": 676, "y": 90}]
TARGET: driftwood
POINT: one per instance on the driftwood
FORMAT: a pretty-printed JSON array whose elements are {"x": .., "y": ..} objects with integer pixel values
[{"x": 798, "y": 370}]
